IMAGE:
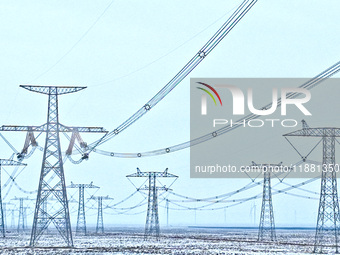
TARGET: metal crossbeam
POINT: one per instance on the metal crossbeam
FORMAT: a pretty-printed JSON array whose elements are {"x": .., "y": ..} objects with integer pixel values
[
  {"x": 47, "y": 90},
  {"x": 316, "y": 132},
  {"x": 44, "y": 128},
  {"x": 157, "y": 174},
  {"x": 86, "y": 186},
  {"x": 157, "y": 188},
  {"x": 10, "y": 162}
]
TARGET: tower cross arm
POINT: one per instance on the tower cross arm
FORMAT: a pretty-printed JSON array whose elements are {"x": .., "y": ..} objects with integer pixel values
[
  {"x": 86, "y": 186},
  {"x": 9, "y": 162},
  {"x": 62, "y": 128},
  {"x": 316, "y": 132},
  {"x": 139, "y": 173},
  {"x": 47, "y": 90},
  {"x": 163, "y": 188},
  {"x": 41, "y": 128},
  {"x": 166, "y": 174},
  {"x": 22, "y": 198},
  {"x": 101, "y": 197}
]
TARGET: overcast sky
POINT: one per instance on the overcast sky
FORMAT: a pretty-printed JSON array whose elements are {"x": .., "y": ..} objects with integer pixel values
[{"x": 125, "y": 53}]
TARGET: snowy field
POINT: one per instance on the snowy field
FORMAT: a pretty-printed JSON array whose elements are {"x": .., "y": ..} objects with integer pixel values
[{"x": 173, "y": 241}]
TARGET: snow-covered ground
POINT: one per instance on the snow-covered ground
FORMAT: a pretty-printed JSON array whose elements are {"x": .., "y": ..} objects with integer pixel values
[{"x": 173, "y": 241}]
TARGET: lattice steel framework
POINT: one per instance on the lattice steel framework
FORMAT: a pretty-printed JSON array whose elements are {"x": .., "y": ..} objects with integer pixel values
[
  {"x": 267, "y": 223},
  {"x": 25, "y": 217},
  {"x": 5, "y": 162},
  {"x": 12, "y": 218},
  {"x": 52, "y": 179},
  {"x": 328, "y": 221},
  {"x": 5, "y": 211},
  {"x": 22, "y": 219},
  {"x": 167, "y": 212},
  {"x": 81, "y": 220},
  {"x": 100, "y": 220},
  {"x": 152, "y": 218}
]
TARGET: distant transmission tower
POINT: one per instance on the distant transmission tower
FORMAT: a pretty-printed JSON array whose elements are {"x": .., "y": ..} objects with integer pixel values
[
  {"x": 267, "y": 223},
  {"x": 22, "y": 221},
  {"x": 100, "y": 221},
  {"x": 152, "y": 219},
  {"x": 4, "y": 207},
  {"x": 81, "y": 220},
  {"x": 52, "y": 164},
  {"x": 5, "y": 162},
  {"x": 12, "y": 219},
  {"x": 25, "y": 217},
  {"x": 328, "y": 222},
  {"x": 5, "y": 210},
  {"x": 167, "y": 212}
]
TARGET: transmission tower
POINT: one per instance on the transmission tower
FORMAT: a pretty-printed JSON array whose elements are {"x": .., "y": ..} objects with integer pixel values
[
  {"x": 328, "y": 222},
  {"x": 267, "y": 223},
  {"x": 22, "y": 221},
  {"x": 5, "y": 209},
  {"x": 100, "y": 221},
  {"x": 152, "y": 219},
  {"x": 12, "y": 218},
  {"x": 167, "y": 212},
  {"x": 5, "y": 162},
  {"x": 81, "y": 221},
  {"x": 52, "y": 164},
  {"x": 25, "y": 217}
]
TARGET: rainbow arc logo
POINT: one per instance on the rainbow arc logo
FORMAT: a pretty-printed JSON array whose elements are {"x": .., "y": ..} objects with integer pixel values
[{"x": 209, "y": 93}]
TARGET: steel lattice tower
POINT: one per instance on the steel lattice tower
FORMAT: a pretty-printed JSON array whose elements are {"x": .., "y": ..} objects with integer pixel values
[
  {"x": 152, "y": 219},
  {"x": 52, "y": 166},
  {"x": 167, "y": 212},
  {"x": 267, "y": 223},
  {"x": 100, "y": 221},
  {"x": 5, "y": 210},
  {"x": 81, "y": 220},
  {"x": 22, "y": 221},
  {"x": 328, "y": 222},
  {"x": 12, "y": 219},
  {"x": 25, "y": 218},
  {"x": 5, "y": 162}
]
